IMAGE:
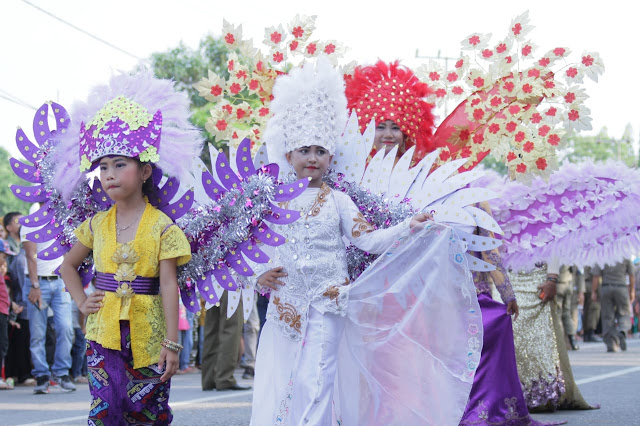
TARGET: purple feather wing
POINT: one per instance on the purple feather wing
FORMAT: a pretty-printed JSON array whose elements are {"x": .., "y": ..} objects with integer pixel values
[
  {"x": 282, "y": 216},
  {"x": 213, "y": 190},
  {"x": 244, "y": 162},
  {"x": 253, "y": 252},
  {"x": 267, "y": 236},
  {"x": 168, "y": 191},
  {"x": 46, "y": 233},
  {"x": 41, "y": 129},
  {"x": 26, "y": 147},
  {"x": 25, "y": 171},
  {"x": 54, "y": 251},
  {"x": 291, "y": 190},
  {"x": 205, "y": 286},
  {"x": 224, "y": 278},
  {"x": 30, "y": 194},
  {"x": 238, "y": 263},
  {"x": 40, "y": 217},
  {"x": 178, "y": 209},
  {"x": 225, "y": 173},
  {"x": 99, "y": 195}
]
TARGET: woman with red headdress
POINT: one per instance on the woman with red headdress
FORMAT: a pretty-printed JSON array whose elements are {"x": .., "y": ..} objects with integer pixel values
[{"x": 394, "y": 97}]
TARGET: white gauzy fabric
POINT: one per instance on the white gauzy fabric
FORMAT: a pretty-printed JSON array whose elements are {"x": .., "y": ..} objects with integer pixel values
[{"x": 413, "y": 335}]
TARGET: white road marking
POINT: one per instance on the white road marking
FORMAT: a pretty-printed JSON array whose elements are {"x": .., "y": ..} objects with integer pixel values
[
  {"x": 608, "y": 375},
  {"x": 226, "y": 395}
]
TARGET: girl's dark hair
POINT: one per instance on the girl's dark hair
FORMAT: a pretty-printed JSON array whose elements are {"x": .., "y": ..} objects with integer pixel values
[
  {"x": 148, "y": 187},
  {"x": 8, "y": 218}
]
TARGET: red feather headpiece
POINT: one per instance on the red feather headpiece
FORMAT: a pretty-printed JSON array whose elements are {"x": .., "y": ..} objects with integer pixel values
[{"x": 392, "y": 92}]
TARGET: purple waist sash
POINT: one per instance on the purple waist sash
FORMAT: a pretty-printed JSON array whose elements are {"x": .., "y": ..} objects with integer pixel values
[{"x": 141, "y": 285}]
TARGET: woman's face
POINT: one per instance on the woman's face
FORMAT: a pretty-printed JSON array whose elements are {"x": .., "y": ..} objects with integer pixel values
[
  {"x": 388, "y": 135},
  {"x": 310, "y": 162}
]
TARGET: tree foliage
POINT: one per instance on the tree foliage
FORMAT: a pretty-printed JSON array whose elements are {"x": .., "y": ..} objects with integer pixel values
[
  {"x": 600, "y": 147},
  {"x": 186, "y": 67}
]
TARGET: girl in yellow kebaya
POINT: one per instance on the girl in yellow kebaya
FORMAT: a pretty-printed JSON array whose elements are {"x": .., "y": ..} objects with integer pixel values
[{"x": 132, "y": 317}]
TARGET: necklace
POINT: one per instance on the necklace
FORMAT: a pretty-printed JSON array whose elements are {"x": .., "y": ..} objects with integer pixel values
[{"x": 119, "y": 229}]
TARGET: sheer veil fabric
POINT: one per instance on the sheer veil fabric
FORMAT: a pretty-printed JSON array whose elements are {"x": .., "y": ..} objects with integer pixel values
[{"x": 413, "y": 335}]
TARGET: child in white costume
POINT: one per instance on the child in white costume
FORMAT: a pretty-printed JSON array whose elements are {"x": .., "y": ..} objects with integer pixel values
[{"x": 300, "y": 350}]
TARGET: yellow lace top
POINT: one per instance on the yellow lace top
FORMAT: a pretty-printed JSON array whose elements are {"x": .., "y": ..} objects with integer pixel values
[{"x": 157, "y": 238}]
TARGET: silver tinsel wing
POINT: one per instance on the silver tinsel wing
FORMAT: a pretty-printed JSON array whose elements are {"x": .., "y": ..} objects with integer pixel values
[{"x": 225, "y": 230}]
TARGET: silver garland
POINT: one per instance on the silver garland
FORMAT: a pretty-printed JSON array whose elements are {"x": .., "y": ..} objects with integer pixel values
[
  {"x": 215, "y": 229},
  {"x": 376, "y": 209}
]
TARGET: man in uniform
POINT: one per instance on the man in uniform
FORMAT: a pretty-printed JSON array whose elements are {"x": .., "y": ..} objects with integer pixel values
[
  {"x": 618, "y": 288},
  {"x": 591, "y": 311},
  {"x": 564, "y": 293}
]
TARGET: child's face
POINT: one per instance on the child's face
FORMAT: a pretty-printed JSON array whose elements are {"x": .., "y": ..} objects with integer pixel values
[
  {"x": 310, "y": 162},
  {"x": 13, "y": 227},
  {"x": 122, "y": 177}
]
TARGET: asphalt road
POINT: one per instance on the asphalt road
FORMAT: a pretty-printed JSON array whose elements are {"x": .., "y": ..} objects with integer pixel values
[{"x": 610, "y": 379}]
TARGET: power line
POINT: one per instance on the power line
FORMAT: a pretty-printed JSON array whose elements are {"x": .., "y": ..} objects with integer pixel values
[
  {"x": 81, "y": 30},
  {"x": 17, "y": 102}
]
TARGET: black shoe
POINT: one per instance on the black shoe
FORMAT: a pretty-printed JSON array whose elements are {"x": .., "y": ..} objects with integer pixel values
[
  {"x": 622, "y": 337},
  {"x": 237, "y": 387},
  {"x": 42, "y": 385},
  {"x": 572, "y": 343},
  {"x": 249, "y": 373}
]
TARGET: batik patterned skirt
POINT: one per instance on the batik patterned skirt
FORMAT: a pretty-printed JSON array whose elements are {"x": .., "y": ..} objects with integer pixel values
[{"x": 122, "y": 394}]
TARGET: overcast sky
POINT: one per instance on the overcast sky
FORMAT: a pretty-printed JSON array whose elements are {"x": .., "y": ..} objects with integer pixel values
[{"x": 45, "y": 59}]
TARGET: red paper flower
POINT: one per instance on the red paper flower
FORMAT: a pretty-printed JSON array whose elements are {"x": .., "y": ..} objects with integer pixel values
[
  {"x": 478, "y": 82},
  {"x": 230, "y": 65},
  {"x": 559, "y": 51},
  {"x": 487, "y": 53},
  {"x": 528, "y": 146},
  {"x": 293, "y": 45},
  {"x": 573, "y": 115},
  {"x": 465, "y": 152},
  {"x": 511, "y": 126},
  {"x": 260, "y": 66},
  {"x": 240, "y": 113},
  {"x": 434, "y": 76},
  {"x": 278, "y": 57},
  {"x": 229, "y": 38},
  {"x": 263, "y": 111},
  {"x": 227, "y": 108},
  {"x": 452, "y": 76},
  {"x": 526, "y": 50},
  {"x": 549, "y": 84},
  {"x": 311, "y": 48},
  {"x": 444, "y": 155},
  {"x": 551, "y": 112},
  {"x": 519, "y": 137},
  {"x": 496, "y": 101},
  {"x": 533, "y": 72},
  {"x": 464, "y": 135},
  {"x": 253, "y": 85},
  {"x": 478, "y": 138},
  {"x": 587, "y": 61},
  {"x": 216, "y": 90},
  {"x": 514, "y": 109},
  {"x": 509, "y": 86},
  {"x": 517, "y": 28},
  {"x": 235, "y": 88},
  {"x": 221, "y": 125},
  {"x": 297, "y": 32},
  {"x": 541, "y": 163},
  {"x": 542, "y": 131},
  {"x": 511, "y": 156},
  {"x": 572, "y": 72},
  {"x": 543, "y": 62},
  {"x": 501, "y": 48},
  {"x": 276, "y": 37},
  {"x": 570, "y": 97},
  {"x": 521, "y": 168},
  {"x": 553, "y": 139},
  {"x": 494, "y": 128},
  {"x": 459, "y": 63},
  {"x": 478, "y": 113},
  {"x": 457, "y": 90},
  {"x": 441, "y": 93},
  {"x": 329, "y": 48},
  {"x": 241, "y": 74},
  {"x": 527, "y": 88},
  {"x": 474, "y": 40},
  {"x": 536, "y": 118}
]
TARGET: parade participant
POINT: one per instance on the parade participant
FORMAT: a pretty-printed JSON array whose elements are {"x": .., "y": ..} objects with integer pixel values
[
  {"x": 394, "y": 98},
  {"x": 307, "y": 285},
  {"x": 132, "y": 317}
]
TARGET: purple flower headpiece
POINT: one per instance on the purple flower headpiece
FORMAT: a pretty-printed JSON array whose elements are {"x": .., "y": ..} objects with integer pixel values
[
  {"x": 122, "y": 127},
  {"x": 137, "y": 116}
]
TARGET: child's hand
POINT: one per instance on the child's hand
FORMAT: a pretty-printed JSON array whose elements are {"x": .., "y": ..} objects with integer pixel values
[
  {"x": 92, "y": 303},
  {"x": 16, "y": 308},
  {"x": 420, "y": 218},
  {"x": 171, "y": 359},
  {"x": 270, "y": 278},
  {"x": 512, "y": 309}
]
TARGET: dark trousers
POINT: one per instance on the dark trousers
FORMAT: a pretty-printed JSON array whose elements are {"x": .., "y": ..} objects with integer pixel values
[
  {"x": 591, "y": 313},
  {"x": 78, "y": 352},
  {"x": 222, "y": 337},
  {"x": 18, "y": 360},
  {"x": 4, "y": 336}
]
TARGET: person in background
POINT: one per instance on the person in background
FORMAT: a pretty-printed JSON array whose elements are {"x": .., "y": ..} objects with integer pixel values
[
  {"x": 563, "y": 301},
  {"x": 591, "y": 312},
  {"x": 5, "y": 307},
  {"x": 617, "y": 291},
  {"x": 250, "y": 333},
  {"x": 185, "y": 325}
]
